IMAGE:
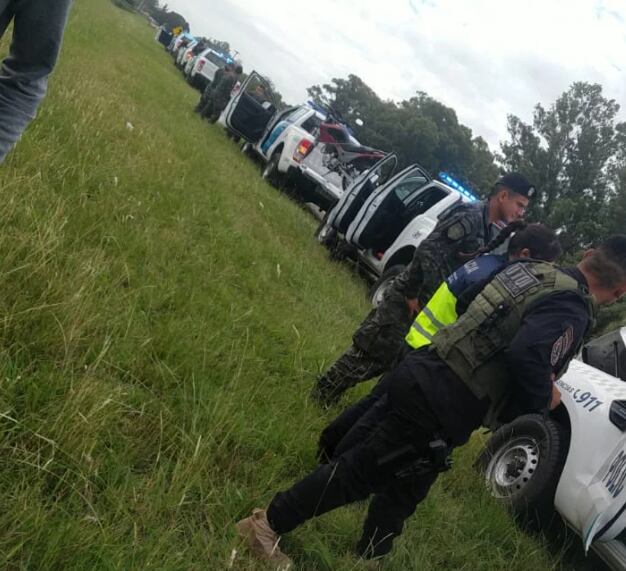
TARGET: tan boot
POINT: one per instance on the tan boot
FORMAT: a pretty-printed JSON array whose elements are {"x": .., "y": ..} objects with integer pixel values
[{"x": 263, "y": 540}]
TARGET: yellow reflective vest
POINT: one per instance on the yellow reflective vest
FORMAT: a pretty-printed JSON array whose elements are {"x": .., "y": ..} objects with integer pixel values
[{"x": 441, "y": 308}]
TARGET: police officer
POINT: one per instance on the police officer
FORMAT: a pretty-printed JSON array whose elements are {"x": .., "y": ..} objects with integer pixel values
[
  {"x": 460, "y": 234},
  {"x": 515, "y": 338},
  {"x": 205, "y": 98},
  {"x": 534, "y": 241},
  {"x": 221, "y": 94}
]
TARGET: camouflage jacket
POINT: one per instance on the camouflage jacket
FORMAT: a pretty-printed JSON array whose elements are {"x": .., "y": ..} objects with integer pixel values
[
  {"x": 463, "y": 230},
  {"x": 221, "y": 92}
]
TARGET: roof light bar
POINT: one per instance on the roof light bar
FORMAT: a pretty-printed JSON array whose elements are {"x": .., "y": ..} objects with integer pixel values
[{"x": 445, "y": 177}]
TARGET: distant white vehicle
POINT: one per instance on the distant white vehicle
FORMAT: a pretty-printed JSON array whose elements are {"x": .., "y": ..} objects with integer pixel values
[
  {"x": 381, "y": 219},
  {"x": 184, "y": 53},
  {"x": 573, "y": 461},
  {"x": 325, "y": 184},
  {"x": 275, "y": 136},
  {"x": 177, "y": 41},
  {"x": 201, "y": 69}
]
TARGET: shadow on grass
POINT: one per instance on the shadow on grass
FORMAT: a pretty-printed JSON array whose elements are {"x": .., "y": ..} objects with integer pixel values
[{"x": 562, "y": 540}]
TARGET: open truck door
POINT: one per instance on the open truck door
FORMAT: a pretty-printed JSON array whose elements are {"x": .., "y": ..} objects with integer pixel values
[
  {"x": 386, "y": 215},
  {"x": 252, "y": 109},
  {"x": 361, "y": 189}
]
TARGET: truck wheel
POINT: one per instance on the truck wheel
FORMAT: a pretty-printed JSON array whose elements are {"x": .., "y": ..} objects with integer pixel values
[
  {"x": 270, "y": 172},
  {"x": 378, "y": 290},
  {"x": 522, "y": 463},
  {"x": 325, "y": 234},
  {"x": 246, "y": 149}
]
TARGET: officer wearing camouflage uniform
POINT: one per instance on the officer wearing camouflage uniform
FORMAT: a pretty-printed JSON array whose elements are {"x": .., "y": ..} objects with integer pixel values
[
  {"x": 220, "y": 95},
  {"x": 499, "y": 360},
  {"x": 464, "y": 230},
  {"x": 208, "y": 90}
]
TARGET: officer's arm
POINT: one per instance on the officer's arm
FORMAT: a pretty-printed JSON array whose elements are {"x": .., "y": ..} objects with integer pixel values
[
  {"x": 451, "y": 233},
  {"x": 550, "y": 332}
]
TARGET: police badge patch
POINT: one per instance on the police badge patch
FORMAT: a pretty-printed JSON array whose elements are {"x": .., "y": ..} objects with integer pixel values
[
  {"x": 458, "y": 230},
  {"x": 561, "y": 346},
  {"x": 517, "y": 279}
]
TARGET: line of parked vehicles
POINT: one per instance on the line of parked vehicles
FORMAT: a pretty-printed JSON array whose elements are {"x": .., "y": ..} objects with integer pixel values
[
  {"x": 193, "y": 57},
  {"x": 572, "y": 461}
]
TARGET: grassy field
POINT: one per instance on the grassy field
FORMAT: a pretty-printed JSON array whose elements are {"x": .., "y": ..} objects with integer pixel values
[{"x": 163, "y": 315}]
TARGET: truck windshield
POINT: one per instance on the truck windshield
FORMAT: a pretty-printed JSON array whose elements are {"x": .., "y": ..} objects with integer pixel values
[{"x": 214, "y": 58}]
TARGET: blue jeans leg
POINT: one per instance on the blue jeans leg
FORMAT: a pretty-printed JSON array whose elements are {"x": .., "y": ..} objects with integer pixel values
[{"x": 37, "y": 33}]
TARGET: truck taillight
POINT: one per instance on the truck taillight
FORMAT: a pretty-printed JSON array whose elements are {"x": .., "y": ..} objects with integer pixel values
[
  {"x": 302, "y": 150},
  {"x": 201, "y": 64}
]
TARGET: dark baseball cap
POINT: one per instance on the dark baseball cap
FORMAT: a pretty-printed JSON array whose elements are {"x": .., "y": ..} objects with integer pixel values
[{"x": 517, "y": 183}]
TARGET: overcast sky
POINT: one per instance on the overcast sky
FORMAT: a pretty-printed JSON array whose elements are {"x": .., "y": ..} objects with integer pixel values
[{"x": 484, "y": 58}]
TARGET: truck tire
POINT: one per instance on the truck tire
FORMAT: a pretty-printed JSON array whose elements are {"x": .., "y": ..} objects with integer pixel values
[
  {"x": 522, "y": 463},
  {"x": 378, "y": 290},
  {"x": 326, "y": 235},
  {"x": 270, "y": 172}
]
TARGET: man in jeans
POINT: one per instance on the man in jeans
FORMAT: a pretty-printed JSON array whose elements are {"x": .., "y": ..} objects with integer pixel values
[{"x": 37, "y": 33}]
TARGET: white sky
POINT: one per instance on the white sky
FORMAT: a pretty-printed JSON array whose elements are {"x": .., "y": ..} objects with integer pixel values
[{"x": 484, "y": 58}]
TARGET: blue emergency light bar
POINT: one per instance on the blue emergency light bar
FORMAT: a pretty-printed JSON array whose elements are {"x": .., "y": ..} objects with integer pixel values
[
  {"x": 316, "y": 107},
  {"x": 445, "y": 177}
]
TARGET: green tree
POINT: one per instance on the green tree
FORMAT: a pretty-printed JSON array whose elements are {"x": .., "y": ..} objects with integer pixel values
[
  {"x": 168, "y": 19},
  {"x": 571, "y": 152},
  {"x": 617, "y": 210}
]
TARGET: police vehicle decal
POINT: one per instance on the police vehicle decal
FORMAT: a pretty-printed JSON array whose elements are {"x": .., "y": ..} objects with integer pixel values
[{"x": 583, "y": 398}]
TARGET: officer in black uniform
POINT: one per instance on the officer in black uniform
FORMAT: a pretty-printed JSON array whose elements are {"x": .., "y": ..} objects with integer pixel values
[
  {"x": 464, "y": 230},
  {"x": 515, "y": 337}
]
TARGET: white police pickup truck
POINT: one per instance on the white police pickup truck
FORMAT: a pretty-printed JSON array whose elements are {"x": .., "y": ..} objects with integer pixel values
[
  {"x": 382, "y": 217},
  {"x": 325, "y": 185},
  {"x": 201, "y": 69},
  {"x": 573, "y": 461},
  {"x": 273, "y": 135}
]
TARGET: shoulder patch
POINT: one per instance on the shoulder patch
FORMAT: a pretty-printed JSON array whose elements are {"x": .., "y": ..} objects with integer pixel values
[
  {"x": 517, "y": 279},
  {"x": 561, "y": 346},
  {"x": 458, "y": 230}
]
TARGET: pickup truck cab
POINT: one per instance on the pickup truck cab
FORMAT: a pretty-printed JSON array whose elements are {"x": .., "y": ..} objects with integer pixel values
[
  {"x": 383, "y": 216},
  {"x": 271, "y": 134}
]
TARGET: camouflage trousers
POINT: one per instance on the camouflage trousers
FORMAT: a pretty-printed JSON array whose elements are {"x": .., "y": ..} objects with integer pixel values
[{"x": 375, "y": 346}]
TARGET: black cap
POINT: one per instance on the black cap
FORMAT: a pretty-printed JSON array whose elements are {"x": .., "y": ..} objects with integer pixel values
[{"x": 517, "y": 183}]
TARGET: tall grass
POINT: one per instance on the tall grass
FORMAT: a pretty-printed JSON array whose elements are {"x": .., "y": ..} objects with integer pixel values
[{"x": 163, "y": 315}]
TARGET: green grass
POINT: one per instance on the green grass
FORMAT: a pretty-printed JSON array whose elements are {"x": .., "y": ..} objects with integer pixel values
[{"x": 163, "y": 315}]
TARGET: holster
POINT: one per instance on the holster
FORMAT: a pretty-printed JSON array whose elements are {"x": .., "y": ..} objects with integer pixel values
[{"x": 409, "y": 461}]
